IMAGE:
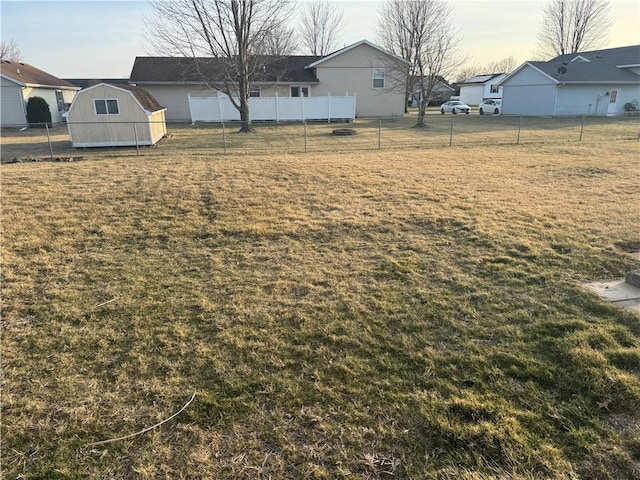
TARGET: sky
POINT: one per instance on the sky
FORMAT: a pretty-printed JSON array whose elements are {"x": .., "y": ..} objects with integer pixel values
[{"x": 101, "y": 38}]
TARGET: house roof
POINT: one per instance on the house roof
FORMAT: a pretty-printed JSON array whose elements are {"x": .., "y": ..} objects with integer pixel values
[
  {"x": 351, "y": 47},
  {"x": 597, "y": 66},
  {"x": 290, "y": 69},
  {"x": 480, "y": 79},
  {"x": 90, "y": 82},
  {"x": 28, "y": 75},
  {"x": 144, "y": 98}
]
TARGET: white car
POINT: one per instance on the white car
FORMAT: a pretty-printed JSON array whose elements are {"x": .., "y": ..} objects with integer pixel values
[
  {"x": 454, "y": 106},
  {"x": 491, "y": 106}
]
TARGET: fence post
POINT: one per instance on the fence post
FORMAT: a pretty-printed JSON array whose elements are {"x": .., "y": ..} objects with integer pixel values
[
  {"x": 380, "y": 134},
  {"x": 277, "y": 112},
  {"x": 46, "y": 125},
  {"x": 451, "y": 132},
  {"x": 519, "y": 128},
  {"x": 581, "y": 128},
  {"x": 328, "y": 107},
  {"x": 224, "y": 138},
  {"x": 304, "y": 122},
  {"x": 135, "y": 135}
]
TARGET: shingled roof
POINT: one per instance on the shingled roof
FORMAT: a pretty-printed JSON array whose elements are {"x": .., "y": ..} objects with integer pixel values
[
  {"x": 597, "y": 66},
  {"x": 146, "y": 100},
  {"x": 26, "y": 74},
  {"x": 287, "y": 69}
]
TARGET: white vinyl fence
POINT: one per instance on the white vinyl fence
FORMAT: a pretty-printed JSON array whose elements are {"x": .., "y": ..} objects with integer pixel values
[{"x": 220, "y": 108}]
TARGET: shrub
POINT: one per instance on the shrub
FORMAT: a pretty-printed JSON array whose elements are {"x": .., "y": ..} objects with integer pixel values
[{"x": 38, "y": 112}]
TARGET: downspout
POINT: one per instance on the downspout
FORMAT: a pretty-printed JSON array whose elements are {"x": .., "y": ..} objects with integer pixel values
[
  {"x": 24, "y": 105},
  {"x": 555, "y": 102}
]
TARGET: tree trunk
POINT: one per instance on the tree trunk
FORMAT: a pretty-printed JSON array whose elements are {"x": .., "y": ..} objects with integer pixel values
[
  {"x": 245, "y": 121},
  {"x": 422, "y": 111}
]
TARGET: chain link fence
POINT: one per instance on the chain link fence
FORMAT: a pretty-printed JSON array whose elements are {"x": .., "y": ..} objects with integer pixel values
[{"x": 45, "y": 142}]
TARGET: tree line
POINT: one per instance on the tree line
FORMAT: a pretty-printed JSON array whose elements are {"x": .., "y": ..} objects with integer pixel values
[{"x": 243, "y": 36}]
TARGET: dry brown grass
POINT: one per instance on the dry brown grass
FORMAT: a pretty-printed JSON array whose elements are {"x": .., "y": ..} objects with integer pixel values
[{"x": 338, "y": 314}]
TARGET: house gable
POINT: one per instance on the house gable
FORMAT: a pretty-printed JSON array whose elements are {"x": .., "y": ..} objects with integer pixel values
[{"x": 346, "y": 53}]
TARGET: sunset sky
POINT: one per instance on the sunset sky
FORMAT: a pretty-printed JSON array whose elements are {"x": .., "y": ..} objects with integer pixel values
[{"x": 100, "y": 39}]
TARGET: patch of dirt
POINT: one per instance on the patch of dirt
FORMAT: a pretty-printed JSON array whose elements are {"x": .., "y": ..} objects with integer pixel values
[
  {"x": 589, "y": 172},
  {"x": 623, "y": 423}
]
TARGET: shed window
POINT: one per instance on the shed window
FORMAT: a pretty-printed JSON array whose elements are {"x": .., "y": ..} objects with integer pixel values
[
  {"x": 106, "y": 106},
  {"x": 378, "y": 78},
  {"x": 254, "y": 92}
]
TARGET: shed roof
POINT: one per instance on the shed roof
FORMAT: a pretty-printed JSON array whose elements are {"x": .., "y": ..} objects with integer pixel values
[
  {"x": 144, "y": 98},
  {"x": 272, "y": 68},
  {"x": 25, "y": 74},
  {"x": 90, "y": 82}
]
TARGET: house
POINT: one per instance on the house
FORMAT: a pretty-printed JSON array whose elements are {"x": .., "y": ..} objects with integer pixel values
[
  {"x": 375, "y": 76},
  {"x": 90, "y": 82},
  {"x": 599, "y": 82},
  {"x": 21, "y": 81},
  {"x": 481, "y": 87},
  {"x": 107, "y": 115},
  {"x": 440, "y": 93}
]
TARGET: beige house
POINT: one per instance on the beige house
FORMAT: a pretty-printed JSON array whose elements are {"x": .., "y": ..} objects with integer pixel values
[
  {"x": 21, "y": 81},
  {"x": 115, "y": 115},
  {"x": 376, "y": 78}
]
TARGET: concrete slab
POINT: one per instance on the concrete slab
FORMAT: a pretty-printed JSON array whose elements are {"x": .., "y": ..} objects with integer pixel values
[{"x": 617, "y": 291}]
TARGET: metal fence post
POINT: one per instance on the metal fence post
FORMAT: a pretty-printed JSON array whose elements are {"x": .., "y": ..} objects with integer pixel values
[
  {"x": 304, "y": 122},
  {"x": 581, "y": 128},
  {"x": 519, "y": 128},
  {"x": 49, "y": 141},
  {"x": 380, "y": 134},
  {"x": 135, "y": 135},
  {"x": 224, "y": 138},
  {"x": 451, "y": 132}
]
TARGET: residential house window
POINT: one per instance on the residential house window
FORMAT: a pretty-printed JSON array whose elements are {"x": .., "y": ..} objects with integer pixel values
[
  {"x": 299, "y": 91},
  {"x": 378, "y": 78},
  {"x": 495, "y": 89},
  {"x": 60, "y": 101},
  {"x": 254, "y": 91},
  {"x": 106, "y": 106}
]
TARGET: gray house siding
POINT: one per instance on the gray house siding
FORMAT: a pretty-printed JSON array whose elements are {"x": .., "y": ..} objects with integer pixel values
[
  {"x": 528, "y": 99},
  {"x": 593, "y": 99},
  {"x": 12, "y": 108}
]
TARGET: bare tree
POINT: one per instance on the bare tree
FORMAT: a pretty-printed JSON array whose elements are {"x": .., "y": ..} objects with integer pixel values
[
  {"x": 321, "y": 25},
  {"x": 10, "y": 51},
  {"x": 280, "y": 41},
  {"x": 468, "y": 71},
  {"x": 504, "y": 65},
  {"x": 421, "y": 32},
  {"x": 571, "y": 26},
  {"x": 225, "y": 36}
]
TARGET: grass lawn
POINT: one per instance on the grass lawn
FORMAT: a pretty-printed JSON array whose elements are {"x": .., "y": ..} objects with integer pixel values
[{"x": 411, "y": 314}]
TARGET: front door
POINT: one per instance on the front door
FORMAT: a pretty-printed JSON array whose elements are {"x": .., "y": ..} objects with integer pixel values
[{"x": 612, "y": 109}]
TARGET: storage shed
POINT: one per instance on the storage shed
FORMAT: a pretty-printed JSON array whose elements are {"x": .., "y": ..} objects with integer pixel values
[{"x": 106, "y": 115}]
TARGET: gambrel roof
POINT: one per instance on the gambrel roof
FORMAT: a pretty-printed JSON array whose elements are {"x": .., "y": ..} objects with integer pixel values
[{"x": 142, "y": 97}]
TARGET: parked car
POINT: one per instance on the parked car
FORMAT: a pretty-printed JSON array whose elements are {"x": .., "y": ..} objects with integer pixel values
[
  {"x": 493, "y": 106},
  {"x": 454, "y": 106}
]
